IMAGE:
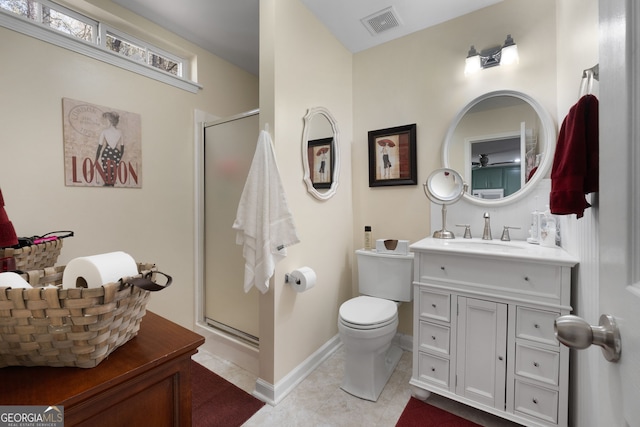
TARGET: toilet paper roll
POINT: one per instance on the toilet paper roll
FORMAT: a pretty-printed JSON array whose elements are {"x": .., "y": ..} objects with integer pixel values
[
  {"x": 13, "y": 280},
  {"x": 303, "y": 278},
  {"x": 97, "y": 270}
]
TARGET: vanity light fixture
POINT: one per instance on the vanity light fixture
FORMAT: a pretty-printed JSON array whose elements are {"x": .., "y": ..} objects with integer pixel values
[
  {"x": 472, "y": 63},
  {"x": 509, "y": 52},
  {"x": 501, "y": 55}
]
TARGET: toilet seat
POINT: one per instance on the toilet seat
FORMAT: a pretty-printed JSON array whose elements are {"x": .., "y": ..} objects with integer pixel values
[
  {"x": 359, "y": 327},
  {"x": 366, "y": 312}
]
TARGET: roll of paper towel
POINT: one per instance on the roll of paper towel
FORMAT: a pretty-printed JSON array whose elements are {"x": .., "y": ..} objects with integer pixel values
[
  {"x": 97, "y": 270},
  {"x": 302, "y": 279},
  {"x": 13, "y": 280}
]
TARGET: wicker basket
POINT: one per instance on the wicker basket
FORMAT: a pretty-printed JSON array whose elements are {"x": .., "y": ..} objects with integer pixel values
[
  {"x": 34, "y": 257},
  {"x": 79, "y": 327}
]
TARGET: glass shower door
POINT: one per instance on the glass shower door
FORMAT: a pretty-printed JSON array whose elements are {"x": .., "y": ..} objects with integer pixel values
[{"x": 229, "y": 146}]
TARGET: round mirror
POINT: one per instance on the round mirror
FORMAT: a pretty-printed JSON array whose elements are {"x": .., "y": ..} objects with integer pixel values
[
  {"x": 444, "y": 186},
  {"x": 502, "y": 143},
  {"x": 320, "y": 153}
]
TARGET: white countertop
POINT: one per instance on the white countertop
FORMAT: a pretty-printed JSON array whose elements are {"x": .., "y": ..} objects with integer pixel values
[{"x": 515, "y": 249}]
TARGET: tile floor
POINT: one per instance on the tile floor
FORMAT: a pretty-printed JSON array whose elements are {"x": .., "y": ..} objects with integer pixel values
[{"x": 318, "y": 401}]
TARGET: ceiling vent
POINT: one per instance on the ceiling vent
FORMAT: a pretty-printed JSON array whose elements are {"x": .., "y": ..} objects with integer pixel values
[{"x": 381, "y": 21}]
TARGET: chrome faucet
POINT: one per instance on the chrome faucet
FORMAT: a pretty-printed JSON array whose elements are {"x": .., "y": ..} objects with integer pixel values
[{"x": 486, "y": 235}]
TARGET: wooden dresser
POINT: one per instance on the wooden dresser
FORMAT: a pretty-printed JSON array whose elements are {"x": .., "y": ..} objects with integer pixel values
[{"x": 147, "y": 381}]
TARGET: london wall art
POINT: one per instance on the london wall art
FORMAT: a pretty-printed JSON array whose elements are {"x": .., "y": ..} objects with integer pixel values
[{"x": 102, "y": 146}]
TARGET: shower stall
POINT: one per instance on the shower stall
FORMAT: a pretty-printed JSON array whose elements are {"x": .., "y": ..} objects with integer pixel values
[{"x": 229, "y": 146}]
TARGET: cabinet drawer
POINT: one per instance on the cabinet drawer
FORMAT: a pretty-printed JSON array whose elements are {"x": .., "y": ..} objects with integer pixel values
[
  {"x": 434, "y": 369},
  {"x": 513, "y": 276},
  {"x": 434, "y": 305},
  {"x": 536, "y": 325},
  {"x": 536, "y": 401},
  {"x": 434, "y": 338},
  {"x": 538, "y": 364}
]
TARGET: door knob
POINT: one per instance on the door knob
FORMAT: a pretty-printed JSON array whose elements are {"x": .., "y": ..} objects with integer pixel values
[{"x": 575, "y": 332}]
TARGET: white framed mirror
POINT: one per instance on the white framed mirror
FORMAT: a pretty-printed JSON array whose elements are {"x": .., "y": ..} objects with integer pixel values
[
  {"x": 320, "y": 153},
  {"x": 502, "y": 143}
]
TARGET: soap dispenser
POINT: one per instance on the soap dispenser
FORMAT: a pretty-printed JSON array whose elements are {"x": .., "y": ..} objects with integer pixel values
[
  {"x": 548, "y": 229},
  {"x": 534, "y": 231}
]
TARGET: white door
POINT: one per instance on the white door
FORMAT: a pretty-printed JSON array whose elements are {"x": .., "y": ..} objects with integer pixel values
[{"x": 619, "y": 207}]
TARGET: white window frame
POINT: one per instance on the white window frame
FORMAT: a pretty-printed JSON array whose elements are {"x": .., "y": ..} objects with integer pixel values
[
  {"x": 94, "y": 50},
  {"x": 149, "y": 48},
  {"x": 59, "y": 8}
]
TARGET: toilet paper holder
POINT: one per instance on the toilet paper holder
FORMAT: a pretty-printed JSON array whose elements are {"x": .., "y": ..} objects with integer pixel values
[
  {"x": 288, "y": 278},
  {"x": 301, "y": 279}
]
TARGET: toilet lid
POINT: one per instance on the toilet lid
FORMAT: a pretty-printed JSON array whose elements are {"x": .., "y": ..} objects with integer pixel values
[{"x": 364, "y": 310}]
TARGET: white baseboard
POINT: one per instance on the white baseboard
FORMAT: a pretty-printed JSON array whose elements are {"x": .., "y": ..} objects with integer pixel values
[
  {"x": 403, "y": 341},
  {"x": 274, "y": 394}
]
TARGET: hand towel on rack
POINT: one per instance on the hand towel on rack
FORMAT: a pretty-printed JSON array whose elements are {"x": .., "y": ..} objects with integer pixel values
[
  {"x": 263, "y": 224},
  {"x": 576, "y": 160}
]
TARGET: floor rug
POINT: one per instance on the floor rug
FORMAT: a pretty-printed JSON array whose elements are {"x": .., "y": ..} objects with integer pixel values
[
  {"x": 421, "y": 414},
  {"x": 217, "y": 402}
]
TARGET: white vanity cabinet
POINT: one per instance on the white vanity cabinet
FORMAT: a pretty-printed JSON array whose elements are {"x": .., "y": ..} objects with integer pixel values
[{"x": 483, "y": 327}]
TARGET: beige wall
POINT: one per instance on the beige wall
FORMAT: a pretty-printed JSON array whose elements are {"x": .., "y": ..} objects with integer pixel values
[
  {"x": 420, "y": 79},
  {"x": 303, "y": 66},
  {"x": 155, "y": 223}
]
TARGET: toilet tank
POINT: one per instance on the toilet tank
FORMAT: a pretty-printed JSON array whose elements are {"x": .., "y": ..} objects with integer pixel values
[{"x": 386, "y": 275}]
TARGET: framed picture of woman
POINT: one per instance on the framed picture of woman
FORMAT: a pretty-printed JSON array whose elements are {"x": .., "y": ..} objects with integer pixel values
[
  {"x": 320, "y": 154},
  {"x": 392, "y": 156}
]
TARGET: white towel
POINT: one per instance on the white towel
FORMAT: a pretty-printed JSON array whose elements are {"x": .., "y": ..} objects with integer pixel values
[{"x": 263, "y": 222}]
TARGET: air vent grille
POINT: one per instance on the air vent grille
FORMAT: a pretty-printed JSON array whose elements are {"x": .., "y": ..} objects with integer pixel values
[{"x": 381, "y": 21}]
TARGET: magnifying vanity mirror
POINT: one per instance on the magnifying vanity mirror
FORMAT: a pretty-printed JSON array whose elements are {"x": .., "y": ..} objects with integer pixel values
[
  {"x": 443, "y": 187},
  {"x": 320, "y": 153},
  {"x": 502, "y": 143}
]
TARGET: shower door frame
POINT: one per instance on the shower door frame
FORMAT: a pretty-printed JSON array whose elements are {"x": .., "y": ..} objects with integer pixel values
[{"x": 229, "y": 347}]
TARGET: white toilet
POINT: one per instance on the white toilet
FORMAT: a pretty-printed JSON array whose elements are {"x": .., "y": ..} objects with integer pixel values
[{"x": 368, "y": 323}]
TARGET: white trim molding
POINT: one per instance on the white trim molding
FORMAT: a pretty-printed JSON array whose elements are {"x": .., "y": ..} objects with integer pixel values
[
  {"x": 16, "y": 23},
  {"x": 275, "y": 393}
]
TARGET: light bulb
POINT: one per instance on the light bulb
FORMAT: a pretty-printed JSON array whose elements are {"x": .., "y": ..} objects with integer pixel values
[
  {"x": 472, "y": 63},
  {"x": 510, "y": 55}
]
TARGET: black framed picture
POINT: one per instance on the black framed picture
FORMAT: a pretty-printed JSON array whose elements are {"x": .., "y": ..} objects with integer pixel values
[
  {"x": 392, "y": 156},
  {"x": 320, "y": 155}
]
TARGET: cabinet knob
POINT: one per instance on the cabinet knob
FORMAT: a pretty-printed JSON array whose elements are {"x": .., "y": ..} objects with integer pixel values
[
  {"x": 534, "y": 400},
  {"x": 442, "y": 267},
  {"x": 526, "y": 278},
  {"x": 536, "y": 364},
  {"x": 433, "y": 337},
  {"x": 433, "y": 305},
  {"x": 433, "y": 369},
  {"x": 535, "y": 325},
  {"x": 500, "y": 358}
]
